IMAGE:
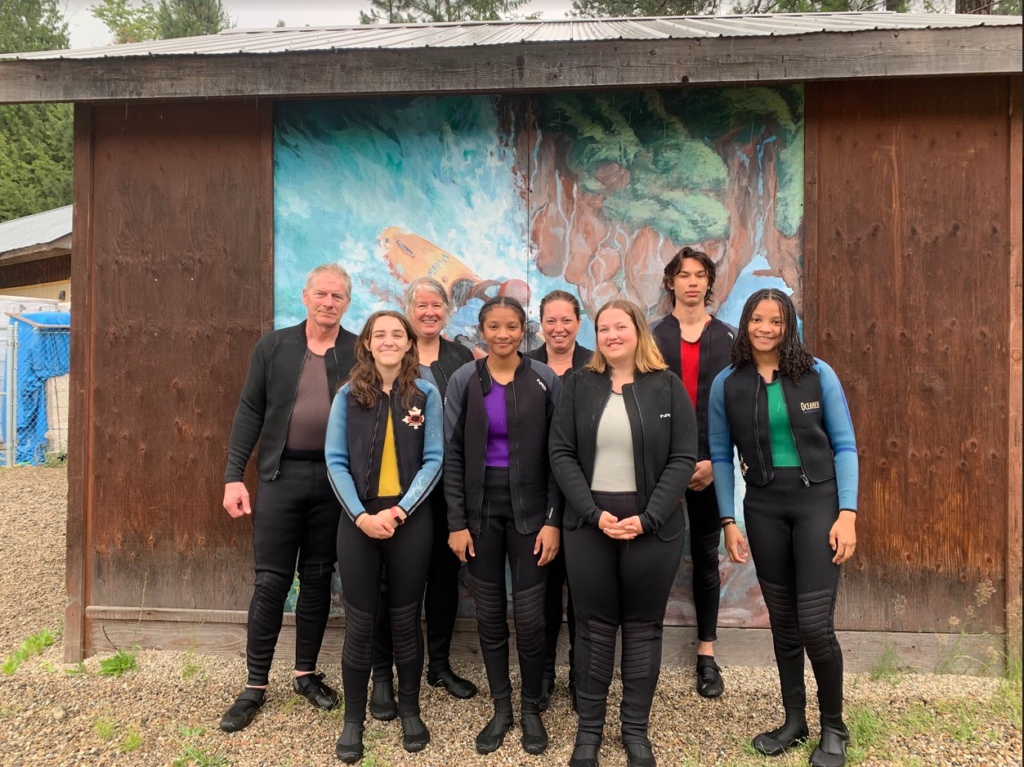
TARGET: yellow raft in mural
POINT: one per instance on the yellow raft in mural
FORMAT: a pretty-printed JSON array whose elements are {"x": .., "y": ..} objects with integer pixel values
[{"x": 411, "y": 257}]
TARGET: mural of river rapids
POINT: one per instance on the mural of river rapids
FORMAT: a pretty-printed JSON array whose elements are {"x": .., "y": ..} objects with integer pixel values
[{"x": 591, "y": 193}]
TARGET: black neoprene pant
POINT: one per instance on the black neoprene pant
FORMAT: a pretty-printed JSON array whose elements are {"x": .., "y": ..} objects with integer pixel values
[
  {"x": 361, "y": 560},
  {"x": 788, "y": 526},
  {"x": 705, "y": 534},
  {"x": 441, "y": 602},
  {"x": 498, "y": 540},
  {"x": 618, "y": 584},
  {"x": 557, "y": 578},
  {"x": 295, "y": 516}
]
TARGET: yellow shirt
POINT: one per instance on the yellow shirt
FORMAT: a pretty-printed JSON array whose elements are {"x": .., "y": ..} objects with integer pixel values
[{"x": 390, "y": 484}]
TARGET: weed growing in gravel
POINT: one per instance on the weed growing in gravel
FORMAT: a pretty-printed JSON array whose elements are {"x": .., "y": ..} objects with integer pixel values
[
  {"x": 78, "y": 670},
  {"x": 104, "y": 728},
  {"x": 199, "y": 757},
  {"x": 887, "y": 666},
  {"x": 192, "y": 669},
  {"x": 954, "y": 659},
  {"x": 119, "y": 663},
  {"x": 372, "y": 760},
  {"x": 33, "y": 645},
  {"x": 130, "y": 742},
  {"x": 193, "y": 755},
  {"x": 291, "y": 703}
]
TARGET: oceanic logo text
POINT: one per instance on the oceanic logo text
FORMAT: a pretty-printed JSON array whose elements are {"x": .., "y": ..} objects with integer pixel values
[{"x": 810, "y": 406}]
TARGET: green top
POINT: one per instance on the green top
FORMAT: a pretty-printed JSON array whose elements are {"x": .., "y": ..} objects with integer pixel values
[{"x": 784, "y": 451}]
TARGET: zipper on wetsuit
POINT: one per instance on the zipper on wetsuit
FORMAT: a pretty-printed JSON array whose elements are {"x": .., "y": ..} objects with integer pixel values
[
  {"x": 601, "y": 410},
  {"x": 373, "y": 441},
  {"x": 643, "y": 442},
  {"x": 757, "y": 431},
  {"x": 792, "y": 431},
  {"x": 288, "y": 423}
]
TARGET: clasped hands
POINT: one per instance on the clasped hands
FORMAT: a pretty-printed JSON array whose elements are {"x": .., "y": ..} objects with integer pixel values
[
  {"x": 620, "y": 530},
  {"x": 382, "y": 524}
]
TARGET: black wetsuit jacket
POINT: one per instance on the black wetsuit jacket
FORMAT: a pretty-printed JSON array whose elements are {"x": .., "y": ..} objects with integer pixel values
[
  {"x": 715, "y": 347},
  {"x": 268, "y": 395},
  {"x": 530, "y": 402},
  {"x": 664, "y": 446},
  {"x": 450, "y": 358},
  {"x": 580, "y": 356}
]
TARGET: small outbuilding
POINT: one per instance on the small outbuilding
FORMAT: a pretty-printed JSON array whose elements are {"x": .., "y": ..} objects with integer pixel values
[
  {"x": 867, "y": 163},
  {"x": 35, "y": 255}
]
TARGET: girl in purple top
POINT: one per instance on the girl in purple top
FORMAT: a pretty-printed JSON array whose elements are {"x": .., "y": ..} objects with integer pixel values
[{"x": 504, "y": 505}]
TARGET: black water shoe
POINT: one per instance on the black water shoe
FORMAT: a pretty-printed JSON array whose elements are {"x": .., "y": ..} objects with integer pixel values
[{"x": 243, "y": 710}]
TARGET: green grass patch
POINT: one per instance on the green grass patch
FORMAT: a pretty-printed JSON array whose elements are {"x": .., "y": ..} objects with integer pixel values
[
  {"x": 291, "y": 703},
  {"x": 194, "y": 756},
  {"x": 919, "y": 719},
  {"x": 33, "y": 645},
  {"x": 191, "y": 732},
  {"x": 119, "y": 664},
  {"x": 130, "y": 742},
  {"x": 887, "y": 666},
  {"x": 78, "y": 670},
  {"x": 867, "y": 731},
  {"x": 104, "y": 728}
]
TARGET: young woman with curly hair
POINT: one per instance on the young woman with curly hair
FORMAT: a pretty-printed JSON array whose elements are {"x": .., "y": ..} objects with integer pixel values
[{"x": 785, "y": 412}]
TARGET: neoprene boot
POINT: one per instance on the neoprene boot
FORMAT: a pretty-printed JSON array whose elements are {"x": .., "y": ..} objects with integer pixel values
[
  {"x": 776, "y": 742},
  {"x": 831, "y": 749},
  {"x": 493, "y": 735},
  {"x": 535, "y": 737}
]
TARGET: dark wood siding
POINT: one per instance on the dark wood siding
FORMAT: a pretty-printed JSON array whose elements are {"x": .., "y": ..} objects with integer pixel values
[
  {"x": 909, "y": 301},
  {"x": 179, "y": 252},
  {"x": 54, "y": 269}
]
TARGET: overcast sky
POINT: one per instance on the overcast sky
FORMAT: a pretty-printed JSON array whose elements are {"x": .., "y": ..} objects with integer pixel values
[{"x": 88, "y": 31}]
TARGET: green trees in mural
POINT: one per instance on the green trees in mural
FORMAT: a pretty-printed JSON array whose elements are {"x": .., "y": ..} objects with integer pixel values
[
  {"x": 35, "y": 139},
  {"x": 435, "y": 11}
]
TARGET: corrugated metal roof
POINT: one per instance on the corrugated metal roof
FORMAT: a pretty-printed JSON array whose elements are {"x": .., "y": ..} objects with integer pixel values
[
  {"x": 464, "y": 34},
  {"x": 35, "y": 230}
]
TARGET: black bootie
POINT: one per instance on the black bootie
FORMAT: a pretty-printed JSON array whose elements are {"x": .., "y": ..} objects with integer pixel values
[
  {"x": 349, "y": 747},
  {"x": 535, "y": 737},
  {"x": 493, "y": 735},
  {"x": 831, "y": 749},
  {"x": 776, "y": 742}
]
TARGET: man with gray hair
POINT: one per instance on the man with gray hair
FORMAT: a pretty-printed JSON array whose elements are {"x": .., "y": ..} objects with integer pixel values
[{"x": 285, "y": 403}]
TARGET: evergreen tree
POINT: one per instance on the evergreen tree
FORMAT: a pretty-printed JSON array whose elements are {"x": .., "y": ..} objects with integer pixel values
[
  {"x": 592, "y": 9},
  {"x": 188, "y": 18},
  {"x": 435, "y": 11},
  {"x": 129, "y": 23},
  {"x": 35, "y": 139}
]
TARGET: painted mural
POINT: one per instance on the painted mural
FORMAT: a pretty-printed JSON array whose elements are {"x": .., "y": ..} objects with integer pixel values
[{"x": 591, "y": 193}]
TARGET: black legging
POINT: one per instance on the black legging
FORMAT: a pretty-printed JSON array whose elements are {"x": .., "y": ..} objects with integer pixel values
[
  {"x": 557, "y": 578},
  {"x": 618, "y": 583},
  {"x": 295, "y": 516},
  {"x": 788, "y": 526},
  {"x": 705, "y": 534},
  {"x": 440, "y": 604},
  {"x": 499, "y": 539},
  {"x": 361, "y": 560}
]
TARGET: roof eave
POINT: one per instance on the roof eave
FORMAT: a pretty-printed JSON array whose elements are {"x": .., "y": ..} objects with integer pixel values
[{"x": 537, "y": 66}]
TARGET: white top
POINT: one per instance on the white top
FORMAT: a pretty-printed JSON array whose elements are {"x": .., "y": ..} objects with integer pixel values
[{"x": 613, "y": 463}]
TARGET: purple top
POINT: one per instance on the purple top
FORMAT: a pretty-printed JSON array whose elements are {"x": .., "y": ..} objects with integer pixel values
[{"x": 497, "y": 426}]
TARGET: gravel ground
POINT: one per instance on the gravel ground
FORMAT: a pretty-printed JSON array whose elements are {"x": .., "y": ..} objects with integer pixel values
[{"x": 166, "y": 711}]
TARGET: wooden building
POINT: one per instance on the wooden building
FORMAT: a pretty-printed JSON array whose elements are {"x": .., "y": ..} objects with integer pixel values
[
  {"x": 909, "y": 277},
  {"x": 35, "y": 255}
]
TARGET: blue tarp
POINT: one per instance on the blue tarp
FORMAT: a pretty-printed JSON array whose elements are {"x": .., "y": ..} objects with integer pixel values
[{"x": 43, "y": 353}]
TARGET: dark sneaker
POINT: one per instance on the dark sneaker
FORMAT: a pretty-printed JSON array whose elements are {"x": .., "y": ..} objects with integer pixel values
[
  {"x": 709, "y": 677},
  {"x": 313, "y": 688},
  {"x": 243, "y": 710}
]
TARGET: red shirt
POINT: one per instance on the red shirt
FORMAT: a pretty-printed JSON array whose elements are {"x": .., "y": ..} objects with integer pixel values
[{"x": 689, "y": 356}]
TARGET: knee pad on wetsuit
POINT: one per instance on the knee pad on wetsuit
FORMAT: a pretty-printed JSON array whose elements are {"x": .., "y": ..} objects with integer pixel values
[
  {"x": 528, "y": 609},
  {"x": 602, "y": 652},
  {"x": 358, "y": 638},
  {"x": 315, "y": 584},
  {"x": 779, "y": 601},
  {"x": 639, "y": 654},
  {"x": 405, "y": 623},
  {"x": 269, "y": 597},
  {"x": 490, "y": 609},
  {"x": 704, "y": 553},
  {"x": 814, "y": 617}
]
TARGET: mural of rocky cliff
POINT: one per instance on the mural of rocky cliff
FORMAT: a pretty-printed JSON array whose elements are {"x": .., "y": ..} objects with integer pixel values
[{"x": 591, "y": 193}]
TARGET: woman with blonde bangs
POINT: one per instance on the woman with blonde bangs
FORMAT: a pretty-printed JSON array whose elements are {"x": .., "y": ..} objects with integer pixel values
[{"x": 623, "y": 446}]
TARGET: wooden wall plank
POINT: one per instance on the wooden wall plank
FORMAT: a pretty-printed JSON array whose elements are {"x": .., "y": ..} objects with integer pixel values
[
  {"x": 223, "y": 633},
  {"x": 79, "y": 429},
  {"x": 913, "y": 228},
  {"x": 180, "y": 263},
  {"x": 520, "y": 67},
  {"x": 1016, "y": 379}
]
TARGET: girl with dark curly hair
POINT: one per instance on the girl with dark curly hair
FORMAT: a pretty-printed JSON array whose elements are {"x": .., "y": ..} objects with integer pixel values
[{"x": 785, "y": 412}]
